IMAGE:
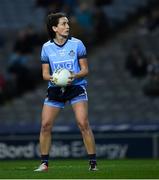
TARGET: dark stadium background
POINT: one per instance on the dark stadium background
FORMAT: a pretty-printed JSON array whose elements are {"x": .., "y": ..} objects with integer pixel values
[{"x": 123, "y": 102}]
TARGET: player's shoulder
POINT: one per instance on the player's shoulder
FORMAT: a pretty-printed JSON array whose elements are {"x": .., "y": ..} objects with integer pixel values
[
  {"x": 74, "y": 40},
  {"x": 48, "y": 43}
]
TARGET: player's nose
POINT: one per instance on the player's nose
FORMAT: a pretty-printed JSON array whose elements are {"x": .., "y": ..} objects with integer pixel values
[{"x": 67, "y": 26}]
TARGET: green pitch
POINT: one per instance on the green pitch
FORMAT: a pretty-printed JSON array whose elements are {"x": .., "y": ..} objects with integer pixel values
[{"x": 78, "y": 169}]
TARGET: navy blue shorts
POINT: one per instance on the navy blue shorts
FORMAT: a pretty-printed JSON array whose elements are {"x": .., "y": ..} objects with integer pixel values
[{"x": 58, "y": 97}]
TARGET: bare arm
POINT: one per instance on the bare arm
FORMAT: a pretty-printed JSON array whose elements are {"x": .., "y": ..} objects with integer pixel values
[
  {"x": 46, "y": 72},
  {"x": 82, "y": 73},
  {"x": 84, "y": 69}
]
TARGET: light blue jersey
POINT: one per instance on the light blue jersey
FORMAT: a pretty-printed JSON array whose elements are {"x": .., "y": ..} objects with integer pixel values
[{"x": 64, "y": 56}]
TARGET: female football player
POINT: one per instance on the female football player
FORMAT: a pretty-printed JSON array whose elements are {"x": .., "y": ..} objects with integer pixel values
[{"x": 63, "y": 51}]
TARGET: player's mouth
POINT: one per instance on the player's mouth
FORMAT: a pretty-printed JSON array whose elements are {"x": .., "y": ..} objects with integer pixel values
[{"x": 67, "y": 31}]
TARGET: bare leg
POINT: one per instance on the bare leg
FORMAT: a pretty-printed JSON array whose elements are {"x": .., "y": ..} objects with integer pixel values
[
  {"x": 48, "y": 117},
  {"x": 81, "y": 113}
]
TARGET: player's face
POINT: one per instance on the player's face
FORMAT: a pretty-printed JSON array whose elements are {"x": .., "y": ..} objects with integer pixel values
[{"x": 62, "y": 28}]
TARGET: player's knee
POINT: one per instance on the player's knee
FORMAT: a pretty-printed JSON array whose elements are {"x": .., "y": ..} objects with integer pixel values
[
  {"x": 46, "y": 127},
  {"x": 83, "y": 125}
]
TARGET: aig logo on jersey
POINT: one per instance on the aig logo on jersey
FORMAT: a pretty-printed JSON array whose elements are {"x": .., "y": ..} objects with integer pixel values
[
  {"x": 68, "y": 64},
  {"x": 71, "y": 53}
]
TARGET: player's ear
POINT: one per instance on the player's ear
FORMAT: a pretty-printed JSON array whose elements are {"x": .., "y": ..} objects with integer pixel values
[{"x": 54, "y": 28}]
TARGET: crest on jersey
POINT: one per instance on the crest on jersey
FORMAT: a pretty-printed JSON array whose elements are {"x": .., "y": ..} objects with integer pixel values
[{"x": 72, "y": 53}]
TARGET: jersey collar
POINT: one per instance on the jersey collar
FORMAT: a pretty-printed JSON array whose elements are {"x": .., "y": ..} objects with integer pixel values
[{"x": 61, "y": 45}]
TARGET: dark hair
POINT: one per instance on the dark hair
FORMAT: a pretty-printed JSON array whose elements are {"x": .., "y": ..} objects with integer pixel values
[{"x": 53, "y": 20}]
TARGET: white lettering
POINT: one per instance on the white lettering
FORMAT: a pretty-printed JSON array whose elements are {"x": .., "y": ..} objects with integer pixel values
[
  {"x": 77, "y": 149},
  {"x": 62, "y": 149},
  {"x": 13, "y": 151},
  {"x": 112, "y": 151}
]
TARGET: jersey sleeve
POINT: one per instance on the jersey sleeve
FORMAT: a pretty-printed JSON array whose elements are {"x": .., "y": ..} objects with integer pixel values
[
  {"x": 81, "y": 50},
  {"x": 44, "y": 57}
]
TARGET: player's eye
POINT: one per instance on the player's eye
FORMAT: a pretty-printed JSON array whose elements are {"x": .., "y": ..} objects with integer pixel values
[{"x": 66, "y": 23}]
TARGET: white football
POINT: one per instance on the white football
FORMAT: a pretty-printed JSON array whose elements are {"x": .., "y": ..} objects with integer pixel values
[{"x": 61, "y": 76}]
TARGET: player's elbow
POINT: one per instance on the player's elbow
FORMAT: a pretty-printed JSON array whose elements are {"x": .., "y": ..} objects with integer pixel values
[
  {"x": 86, "y": 72},
  {"x": 44, "y": 78}
]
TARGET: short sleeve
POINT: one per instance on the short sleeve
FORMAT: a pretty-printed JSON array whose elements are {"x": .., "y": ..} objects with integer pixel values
[
  {"x": 81, "y": 50},
  {"x": 44, "y": 57}
]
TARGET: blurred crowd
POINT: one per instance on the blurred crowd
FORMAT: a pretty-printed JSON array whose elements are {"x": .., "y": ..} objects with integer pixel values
[{"x": 138, "y": 62}]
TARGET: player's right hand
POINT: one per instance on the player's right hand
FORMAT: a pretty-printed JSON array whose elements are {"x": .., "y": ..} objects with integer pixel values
[{"x": 52, "y": 79}]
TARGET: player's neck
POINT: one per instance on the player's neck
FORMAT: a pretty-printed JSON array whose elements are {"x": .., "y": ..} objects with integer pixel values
[{"x": 60, "y": 40}]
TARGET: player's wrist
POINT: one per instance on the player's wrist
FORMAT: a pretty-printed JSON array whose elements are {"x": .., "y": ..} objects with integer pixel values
[
  {"x": 75, "y": 76},
  {"x": 50, "y": 78}
]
